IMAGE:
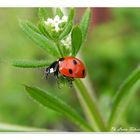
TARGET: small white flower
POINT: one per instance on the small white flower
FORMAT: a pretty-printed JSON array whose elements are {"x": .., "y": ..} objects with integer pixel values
[
  {"x": 56, "y": 21},
  {"x": 49, "y": 21},
  {"x": 64, "y": 19},
  {"x": 67, "y": 41},
  {"x": 56, "y": 27}
]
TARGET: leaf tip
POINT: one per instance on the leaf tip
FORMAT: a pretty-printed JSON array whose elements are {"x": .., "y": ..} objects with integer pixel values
[{"x": 26, "y": 87}]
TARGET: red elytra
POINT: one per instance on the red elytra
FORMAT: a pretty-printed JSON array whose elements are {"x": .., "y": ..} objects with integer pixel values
[{"x": 72, "y": 67}]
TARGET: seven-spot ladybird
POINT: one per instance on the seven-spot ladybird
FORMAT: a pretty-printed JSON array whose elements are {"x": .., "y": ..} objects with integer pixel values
[{"x": 69, "y": 67}]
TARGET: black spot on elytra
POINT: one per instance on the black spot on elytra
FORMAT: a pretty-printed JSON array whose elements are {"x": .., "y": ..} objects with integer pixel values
[
  {"x": 74, "y": 62},
  {"x": 83, "y": 72},
  {"x": 70, "y": 71}
]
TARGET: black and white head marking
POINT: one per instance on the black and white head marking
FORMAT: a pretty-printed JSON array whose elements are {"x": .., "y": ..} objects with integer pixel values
[{"x": 52, "y": 68}]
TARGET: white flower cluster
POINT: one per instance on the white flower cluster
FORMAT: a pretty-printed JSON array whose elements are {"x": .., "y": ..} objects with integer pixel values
[
  {"x": 67, "y": 41},
  {"x": 56, "y": 21}
]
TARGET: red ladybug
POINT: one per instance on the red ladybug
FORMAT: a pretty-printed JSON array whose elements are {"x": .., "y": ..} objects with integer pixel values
[{"x": 69, "y": 67}]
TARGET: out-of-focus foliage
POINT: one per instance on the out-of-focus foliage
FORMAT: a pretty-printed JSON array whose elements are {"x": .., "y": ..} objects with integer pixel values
[
  {"x": 111, "y": 52},
  {"x": 115, "y": 50}
]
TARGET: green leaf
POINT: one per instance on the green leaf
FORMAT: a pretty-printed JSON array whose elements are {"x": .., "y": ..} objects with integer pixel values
[
  {"x": 31, "y": 64},
  {"x": 68, "y": 25},
  {"x": 33, "y": 27},
  {"x": 44, "y": 13},
  {"x": 76, "y": 37},
  {"x": 84, "y": 24},
  {"x": 44, "y": 43},
  {"x": 53, "y": 102},
  {"x": 17, "y": 128},
  {"x": 66, "y": 30},
  {"x": 122, "y": 97},
  {"x": 59, "y": 12},
  {"x": 71, "y": 14},
  {"x": 43, "y": 30}
]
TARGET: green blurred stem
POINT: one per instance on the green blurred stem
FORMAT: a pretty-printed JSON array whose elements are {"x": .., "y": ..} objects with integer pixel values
[
  {"x": 17, "y": 128},
  {"x": 91, "y": 105},
  {"x": 121, "y": 98}
]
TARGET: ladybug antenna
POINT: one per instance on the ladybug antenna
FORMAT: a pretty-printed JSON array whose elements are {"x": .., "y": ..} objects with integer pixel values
[{"x": 44, "y": 75}]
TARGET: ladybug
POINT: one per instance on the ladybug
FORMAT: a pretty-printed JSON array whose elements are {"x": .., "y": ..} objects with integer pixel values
[{"x": 69, "y": 67}]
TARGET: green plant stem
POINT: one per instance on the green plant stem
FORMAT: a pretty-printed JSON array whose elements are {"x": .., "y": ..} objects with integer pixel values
[
  {"x": 122, "y": 96},
  {"x": 31, "y": 63},
  {"x": 58, "y": 45},
  {"x": 91, "y": 105}
]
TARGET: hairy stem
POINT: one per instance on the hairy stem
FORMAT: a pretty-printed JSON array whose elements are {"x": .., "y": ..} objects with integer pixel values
[{"x": 90, "y": 105}]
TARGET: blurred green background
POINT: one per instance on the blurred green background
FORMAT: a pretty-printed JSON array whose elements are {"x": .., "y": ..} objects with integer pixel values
[{"x": 111, "y": 52}]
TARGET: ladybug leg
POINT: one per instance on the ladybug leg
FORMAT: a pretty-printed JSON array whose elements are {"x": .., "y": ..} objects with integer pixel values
[
  {"x": 56, "y": 72},
  {"x": 47, "y": 72},
  {"x": 70, "y": 80}
]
